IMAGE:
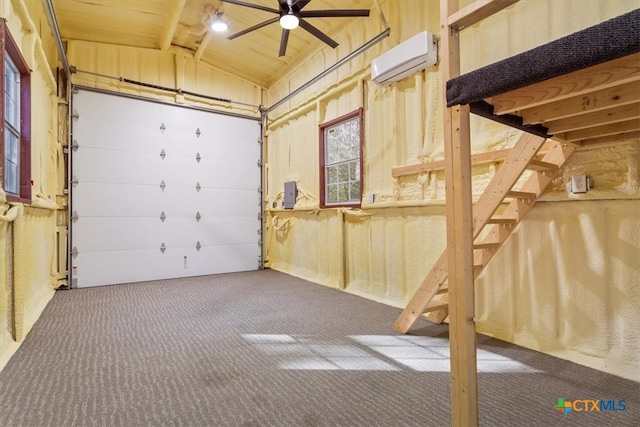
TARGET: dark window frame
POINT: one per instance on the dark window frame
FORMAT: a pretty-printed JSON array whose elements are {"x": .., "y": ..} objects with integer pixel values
[
  {"x": 9, "y": 47},
  {"x": 323, "y": 166}
]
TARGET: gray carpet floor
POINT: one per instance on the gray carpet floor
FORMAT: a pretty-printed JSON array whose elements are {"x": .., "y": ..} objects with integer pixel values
[{"x": 267, "y": 349}]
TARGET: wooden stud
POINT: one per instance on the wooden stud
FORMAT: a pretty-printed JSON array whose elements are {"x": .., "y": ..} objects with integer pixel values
[
  {"x": 476, "y": 12},
  {"x": 459, "y": 253}
]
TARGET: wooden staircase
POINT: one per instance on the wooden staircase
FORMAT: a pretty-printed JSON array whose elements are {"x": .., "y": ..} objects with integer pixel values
[{"x": 489, "y": 229}]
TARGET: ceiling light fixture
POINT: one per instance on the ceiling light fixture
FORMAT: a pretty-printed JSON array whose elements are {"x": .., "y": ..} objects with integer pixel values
[
  {"x": 289, "y": 21},
  {"x": 218, "y": 24}
]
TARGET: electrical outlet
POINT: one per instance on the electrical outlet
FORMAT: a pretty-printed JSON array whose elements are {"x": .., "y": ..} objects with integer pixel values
[
  {"x": 371, "y": 198},
  {"x": 579, "y": 184}
]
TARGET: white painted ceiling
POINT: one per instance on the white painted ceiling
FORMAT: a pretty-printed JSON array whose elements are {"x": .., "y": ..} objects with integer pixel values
[{"x": 184, "y": 24}]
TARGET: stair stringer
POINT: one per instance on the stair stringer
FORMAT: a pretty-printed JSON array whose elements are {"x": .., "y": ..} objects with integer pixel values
[{"x": 521, "y": 158}]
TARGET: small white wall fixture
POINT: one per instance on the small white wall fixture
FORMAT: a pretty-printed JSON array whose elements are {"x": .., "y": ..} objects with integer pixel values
[{"x": 412, "y": 55}]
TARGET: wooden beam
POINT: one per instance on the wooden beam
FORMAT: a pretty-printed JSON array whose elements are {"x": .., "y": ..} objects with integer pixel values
[
  {"x": 172, "y": 19},
  {"x": 495, "y": 156},
  {"x": 459, "y": 253},
  {"x": 609, "y": 139},
  {"x": 609, "y": 74},
  {"x": 597, "y": 100},
  {"x": 602, "y": 117},
  {"x": 462, "y": 333},
  {"x": 203, "y": 46},
  {"x": 476, "y": 159},
  {"x": 604, "y": 130},
  {"x": 476, "y": 12}
]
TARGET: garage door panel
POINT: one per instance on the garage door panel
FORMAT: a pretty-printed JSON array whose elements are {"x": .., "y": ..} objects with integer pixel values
[
  {"x": 99, "y": 166},
  {"x": 180, "y": 171},
  {"x": 219, "y": 231},
  {"x": 244, "y": 201},
  {"x": 119, "y": 199},
  {"x": 116, "y": 233},
  {"x": 235, "y": 174},
  {"x": 99, "y": 199},
  {"x": 111, "y": 135},
  {"x": 124, "y": 266}
]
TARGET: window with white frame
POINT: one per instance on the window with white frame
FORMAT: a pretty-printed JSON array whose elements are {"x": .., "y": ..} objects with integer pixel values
[
  {"x": 341, "y": 161},
  {"x": 15, "y": 141}
]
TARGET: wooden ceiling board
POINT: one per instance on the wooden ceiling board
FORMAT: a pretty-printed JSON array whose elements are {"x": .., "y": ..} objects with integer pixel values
[{"x": 253, "y": 56}]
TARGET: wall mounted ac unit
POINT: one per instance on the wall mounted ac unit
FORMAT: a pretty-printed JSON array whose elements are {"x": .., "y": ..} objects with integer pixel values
[{"x": 410, "y": 56}]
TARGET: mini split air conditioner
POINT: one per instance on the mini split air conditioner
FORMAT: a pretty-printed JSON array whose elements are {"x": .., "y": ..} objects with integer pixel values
[{"x": 410, "y": 56}]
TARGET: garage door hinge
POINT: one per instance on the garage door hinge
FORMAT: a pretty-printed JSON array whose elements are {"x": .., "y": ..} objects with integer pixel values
[
  {"x": 74, "y": 216},
  {"x": 163, "y": 248},
  {"x": 259, "y": 163},
  {"x": 163, "y": 216},
  {"x": 74, "y": 180},
  {"x": 74, "y": 145},
  {"x": 162, "y": 127},
  {"x": 198, "y": 187},
  {"x": 198, "y": 246},
  {"x": 163, "y": 154},
  {"x": 163, "y": 185},
  {"x": 198, "y": 133},
  {"x": 74, "y": 252},
  {"x": 198, "y": 157},
  {"x": 198, "y": 216},
  {"x": 75, "y": 114}
]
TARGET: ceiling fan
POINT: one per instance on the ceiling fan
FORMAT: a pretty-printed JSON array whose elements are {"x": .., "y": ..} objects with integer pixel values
[{"x": 290, "y": 15}]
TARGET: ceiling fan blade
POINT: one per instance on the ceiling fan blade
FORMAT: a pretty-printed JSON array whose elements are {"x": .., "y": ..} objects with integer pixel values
[
  {"x": 283, "y": 42},
  {"x": 301, "y": 3},
  {"x": 319, "y": 34},
  {"x": 251, "y": 5},
  {"x": 255, "y": 27},
  {"x": 335, "y": 13}
]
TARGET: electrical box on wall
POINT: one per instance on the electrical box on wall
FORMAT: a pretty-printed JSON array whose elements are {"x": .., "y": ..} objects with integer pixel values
[
  {"x": 290, "y": 194},
  {"x": 580, "y": 183}
]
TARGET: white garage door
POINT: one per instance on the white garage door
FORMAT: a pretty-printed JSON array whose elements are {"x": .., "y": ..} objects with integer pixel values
[{"x": 161, "y": 191}]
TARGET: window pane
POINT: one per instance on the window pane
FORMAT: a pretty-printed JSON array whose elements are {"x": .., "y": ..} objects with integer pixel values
[
  {"x": 331, "y": 149},
  {"x": 12, "y": 94},
  {"x": 332, "y": 174},
  {"x": 11, "y": 163},
  {"x": 343, "y": 192},
  {"x": 343, "y": 172},
  {"x": 354, "y": 189},
  {"x": 352, "y": 171},
  {"x": 332, "y": 194}
]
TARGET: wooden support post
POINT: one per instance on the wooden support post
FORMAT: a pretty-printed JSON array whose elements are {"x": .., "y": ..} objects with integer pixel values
[{"x": 462, "y": 334}]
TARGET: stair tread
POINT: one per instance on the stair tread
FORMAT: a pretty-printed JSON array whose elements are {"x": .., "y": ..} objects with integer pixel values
[
  {"x": 521, "y": 194},
  {"x": 500, "y": 220},
  {"x": 540, "y": 165},
  {"x": 436, "y": 305},
  {"x": 486, "y": 245}
]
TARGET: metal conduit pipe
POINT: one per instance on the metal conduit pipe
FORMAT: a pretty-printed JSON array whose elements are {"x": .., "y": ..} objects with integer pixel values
[
  {"x": 341, "y": 62},
  {"x": 53, "y": 23}
]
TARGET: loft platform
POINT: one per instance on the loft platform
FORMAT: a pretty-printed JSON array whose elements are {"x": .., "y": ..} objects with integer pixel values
[{"x": 582, "y": 89}]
